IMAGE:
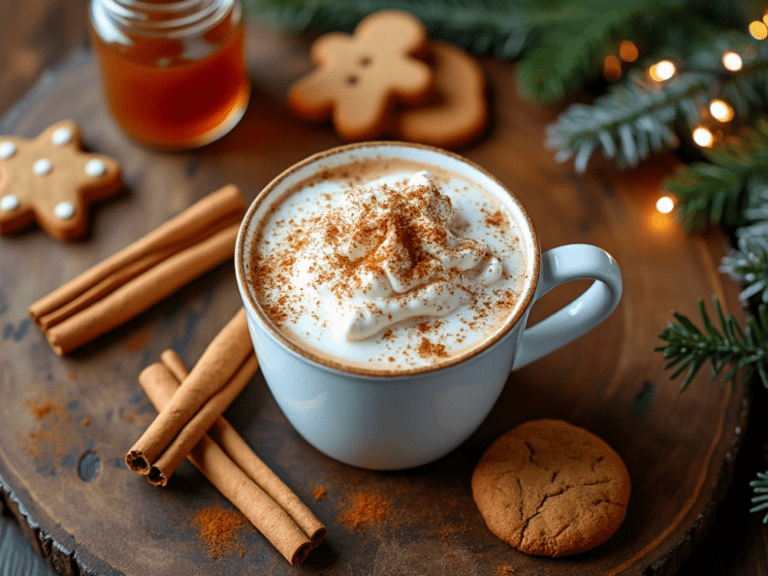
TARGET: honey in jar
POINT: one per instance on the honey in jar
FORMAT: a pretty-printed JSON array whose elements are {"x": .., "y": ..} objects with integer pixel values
[{"x": 173, "y": 71}]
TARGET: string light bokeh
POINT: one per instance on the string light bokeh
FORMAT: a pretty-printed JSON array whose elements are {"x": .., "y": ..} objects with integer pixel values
[
  {"x": 664, "y": 70},
  {"x": 721, "y": 110}
]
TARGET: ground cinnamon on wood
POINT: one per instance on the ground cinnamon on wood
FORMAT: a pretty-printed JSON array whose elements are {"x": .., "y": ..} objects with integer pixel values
[
  {"x": 50, "y": 435},
  {"x": 218, "y": 529},
  {"x": 319, "y": 492},
  {"x": 41, "y": 410},
  {"x": 365, "y": 508}
]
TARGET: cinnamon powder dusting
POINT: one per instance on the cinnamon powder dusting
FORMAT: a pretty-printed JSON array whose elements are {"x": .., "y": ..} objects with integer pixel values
[
  {"x": 50, "y": 435},
  {"x": 326, "y": 260},
  {"x": 218, "y": 529},
  {"x": 428, "y": 348},
  {"x": 498, "y": 219},
  {"x": 41, "y": 410},
  {"x": 319, "y": 492},
  {"x": 365, "y": 509}
]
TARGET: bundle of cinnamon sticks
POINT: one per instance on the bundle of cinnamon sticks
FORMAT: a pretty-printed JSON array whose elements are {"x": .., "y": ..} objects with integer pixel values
[
  {"x": 142, "y": 274},
  {"x": 190, "y": 404}
]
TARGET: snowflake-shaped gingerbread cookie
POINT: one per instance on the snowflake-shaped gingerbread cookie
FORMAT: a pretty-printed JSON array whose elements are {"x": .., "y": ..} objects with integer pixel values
[{"x": 50, "y": 180}]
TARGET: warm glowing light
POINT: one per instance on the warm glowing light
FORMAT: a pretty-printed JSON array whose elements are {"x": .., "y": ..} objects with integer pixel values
[
  {"x": 665, "y": 205},
  {"x": 732, "y": 61},
  {"x": 758, "y": 29},
  {"x": 611, "y": 68},
  {"x": 662, "y": 71},
  {"x": 628, "y": 51},
  {"x": 720, "y": 110},
  {"x": 703, "y": 137}
]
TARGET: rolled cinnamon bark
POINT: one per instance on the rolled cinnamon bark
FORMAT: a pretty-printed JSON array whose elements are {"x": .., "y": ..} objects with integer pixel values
[
  {"x": 141, "y": 274},
  {"x": 220, "y": 361},
  {"x": 175, "y": 453},
  {"x": 225, "y": 435},
  {"x": 263, "y": 512}
]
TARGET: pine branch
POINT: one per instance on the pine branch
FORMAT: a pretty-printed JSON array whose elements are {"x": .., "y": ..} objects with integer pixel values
[
  {"x": 688, "y": 347},
  {"x": 633, "y": 120},
  {"x": 749, "y": 266},
  {"x": 716, "y": 192},
  {"x": 637, "y": 117},
  {"x": 501, "y": 27},
  {"x": 568, "y": 54},
  {"x": 760, "y": 490}
]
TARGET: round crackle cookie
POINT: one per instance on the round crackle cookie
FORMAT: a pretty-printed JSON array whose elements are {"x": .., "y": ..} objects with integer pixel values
[{"x": 550, "y": 488}]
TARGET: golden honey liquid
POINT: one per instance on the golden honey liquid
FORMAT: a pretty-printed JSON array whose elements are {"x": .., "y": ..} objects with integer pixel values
[{"x": 162, "y": 96}]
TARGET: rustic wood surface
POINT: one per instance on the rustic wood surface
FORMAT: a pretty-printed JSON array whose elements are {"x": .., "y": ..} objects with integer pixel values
[{"x": 61, "y": 466}]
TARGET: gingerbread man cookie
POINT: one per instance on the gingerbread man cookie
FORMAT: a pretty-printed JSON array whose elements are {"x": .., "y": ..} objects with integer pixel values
[
  {"x": 52, "y": 181},
  {"x": 459, "y": 112},
  {"x": 359, "y": 77}
]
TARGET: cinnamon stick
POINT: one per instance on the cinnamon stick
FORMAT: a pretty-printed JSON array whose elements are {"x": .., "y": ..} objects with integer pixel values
[
  {"x": 263, "y": 511},
  {"x": 225, "y": 435},
  {"x": 165, "y": 465},
  {"x": 142, "y": 274},
  {"x": 219, "y": 363}
]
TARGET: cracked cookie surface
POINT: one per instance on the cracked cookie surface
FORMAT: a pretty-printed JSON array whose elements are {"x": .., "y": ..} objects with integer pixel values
[{"x": 551, "y": 488}]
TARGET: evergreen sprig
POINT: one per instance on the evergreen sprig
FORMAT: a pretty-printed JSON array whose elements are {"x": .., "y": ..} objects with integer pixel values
[
  {"x": 634, "y": 119},
  {"x": 571, "y": 48},
  {"x": 570, "y": 52},
  {"x": 749, "y": 266},
  {"x": 637, "y": 117},
  {"x": 688, "y": 347},
  {"x": 760, "y": 489},
  {"x": 716, "y": 192}
]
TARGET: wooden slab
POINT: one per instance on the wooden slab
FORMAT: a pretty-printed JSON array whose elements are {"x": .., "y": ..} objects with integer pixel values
[{"x": 66, "y": 423}]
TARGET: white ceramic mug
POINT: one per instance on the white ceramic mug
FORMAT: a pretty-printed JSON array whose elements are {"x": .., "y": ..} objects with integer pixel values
[{"x": 400, "y": 421}]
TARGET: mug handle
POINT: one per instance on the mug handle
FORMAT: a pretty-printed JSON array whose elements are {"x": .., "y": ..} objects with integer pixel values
[{"x": 559, "y": 265}]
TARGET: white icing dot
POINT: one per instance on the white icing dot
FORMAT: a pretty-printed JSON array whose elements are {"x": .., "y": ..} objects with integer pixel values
[
  {"x": 64, "y": 210},
  {"x": 42, "y": 166},
  {"x": 61, "y": 136},
  {"x": 7, "y": 149},
  {"x": 9, "y": 202},
  {"x": 95, "y": 168}
]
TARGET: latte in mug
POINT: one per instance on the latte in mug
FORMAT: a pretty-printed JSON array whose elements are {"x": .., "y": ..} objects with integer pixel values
[
  {"x": 389, "y": 266},
  {"x": 387, "y": 288}
]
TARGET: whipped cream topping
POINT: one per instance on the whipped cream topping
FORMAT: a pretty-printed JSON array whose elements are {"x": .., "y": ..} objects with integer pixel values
[
  {"x": 376, "y": 265},
  {"x": 386, "y": 253}
]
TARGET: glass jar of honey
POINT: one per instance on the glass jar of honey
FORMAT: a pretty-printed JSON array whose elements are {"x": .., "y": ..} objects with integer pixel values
[{"x": 173, "y": 71}]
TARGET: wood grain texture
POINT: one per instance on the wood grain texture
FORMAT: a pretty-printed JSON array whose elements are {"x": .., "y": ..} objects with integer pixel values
[{"x": 62, "y": 469}]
